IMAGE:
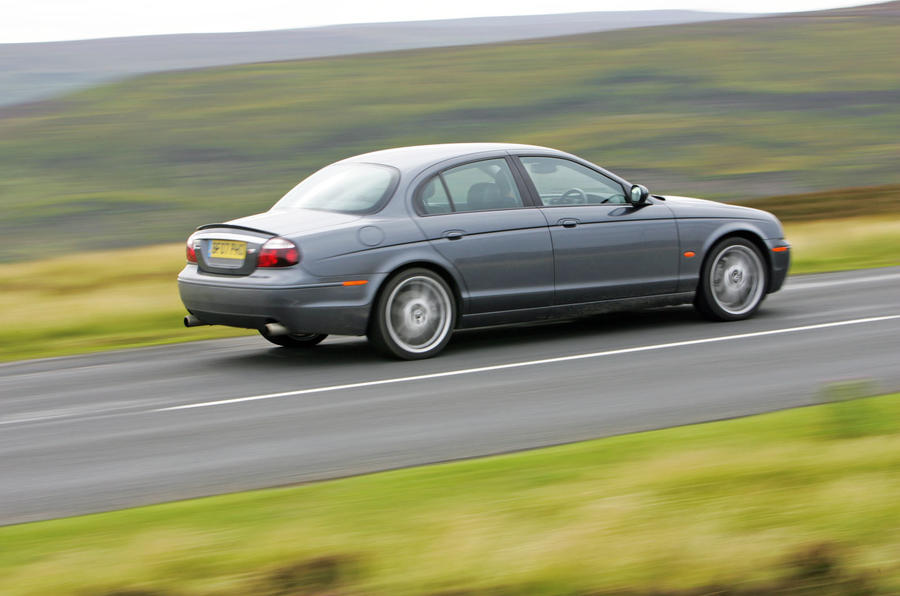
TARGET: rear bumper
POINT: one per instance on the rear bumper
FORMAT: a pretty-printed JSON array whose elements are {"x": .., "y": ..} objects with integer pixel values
[{"x": 319, "y": 307}]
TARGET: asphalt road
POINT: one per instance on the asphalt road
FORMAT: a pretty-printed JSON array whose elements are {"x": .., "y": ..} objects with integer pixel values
[{"x": 119, "y": 429}]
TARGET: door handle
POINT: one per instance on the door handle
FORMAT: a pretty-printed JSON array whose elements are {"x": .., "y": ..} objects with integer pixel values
[
  {"x": 568, "y": 222},
  {"x": 454, "y": 234}
]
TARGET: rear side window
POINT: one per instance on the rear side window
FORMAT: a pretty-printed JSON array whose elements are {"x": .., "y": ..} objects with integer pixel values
[{"x": 479, "y": 186}]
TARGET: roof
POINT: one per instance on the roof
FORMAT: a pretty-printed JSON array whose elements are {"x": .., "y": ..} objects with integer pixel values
[{"x": 423, "y": 155}]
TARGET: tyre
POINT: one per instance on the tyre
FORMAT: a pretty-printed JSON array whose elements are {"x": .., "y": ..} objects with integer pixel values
[
  {"x": 414, "y": 315},
  {"x": 733, "y": 281},
  {"x": 294, "y": 340}
]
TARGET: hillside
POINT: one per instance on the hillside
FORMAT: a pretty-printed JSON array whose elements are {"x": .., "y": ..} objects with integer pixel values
[
  {"x": 730, "y": 110},
  {"x": 32, "y": 71}
]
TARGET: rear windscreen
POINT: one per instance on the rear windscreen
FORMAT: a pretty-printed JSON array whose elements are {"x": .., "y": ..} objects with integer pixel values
[{"x": 343, "y": 188}]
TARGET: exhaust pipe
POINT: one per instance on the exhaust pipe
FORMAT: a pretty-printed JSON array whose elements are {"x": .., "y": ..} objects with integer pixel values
[
  {"x": 192, "y": 321},
  {"x": 274, "y": 329}
]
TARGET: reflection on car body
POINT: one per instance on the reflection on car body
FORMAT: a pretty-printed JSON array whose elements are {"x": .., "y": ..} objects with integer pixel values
[{"x": 405, "y": 245}]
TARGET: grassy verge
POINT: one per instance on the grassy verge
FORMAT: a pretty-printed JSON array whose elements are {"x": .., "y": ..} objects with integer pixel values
[
  {"x": 838, "y": 244},
  {"x": 801, "y": 500},
  {"x": 95, "y": 301}
]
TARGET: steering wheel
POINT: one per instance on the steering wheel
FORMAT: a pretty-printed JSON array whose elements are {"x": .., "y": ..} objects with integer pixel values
[{"x": 579, "y": 197}]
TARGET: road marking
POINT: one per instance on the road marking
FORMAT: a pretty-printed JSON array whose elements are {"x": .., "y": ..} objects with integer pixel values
[
  {"x": 469, "y": 371},
  {"x": 799, "y": 285},
  {"x": 88, "y": 410}
]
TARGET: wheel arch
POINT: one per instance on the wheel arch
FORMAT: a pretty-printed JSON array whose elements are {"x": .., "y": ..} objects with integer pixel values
[
  {"x": 748, "y": 234},
  {"x": 436, "y": 268}
]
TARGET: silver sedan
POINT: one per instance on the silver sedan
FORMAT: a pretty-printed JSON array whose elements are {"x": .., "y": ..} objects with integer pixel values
[{"x": 405, "y": 245}]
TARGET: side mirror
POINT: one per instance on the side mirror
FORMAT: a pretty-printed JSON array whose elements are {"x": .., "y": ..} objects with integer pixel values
[{"x": 638, "y": 195}]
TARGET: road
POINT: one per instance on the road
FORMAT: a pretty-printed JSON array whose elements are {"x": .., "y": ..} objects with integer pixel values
[{"x": 119, "y": 429}]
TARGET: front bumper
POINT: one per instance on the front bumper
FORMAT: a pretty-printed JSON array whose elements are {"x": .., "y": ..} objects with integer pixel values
[
  {"x": 780, "y": 255},
  {"x": 320, "y": 306},
  {"x": 780, "y": 258}
]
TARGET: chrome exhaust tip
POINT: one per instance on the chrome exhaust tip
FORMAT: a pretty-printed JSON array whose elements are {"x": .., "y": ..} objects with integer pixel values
[
  {"x": 273, "y": 329},
  {"x": 192, "y": 321}
]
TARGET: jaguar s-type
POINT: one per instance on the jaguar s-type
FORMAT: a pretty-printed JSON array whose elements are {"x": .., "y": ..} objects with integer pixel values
[{"x": 406, "y": 245}]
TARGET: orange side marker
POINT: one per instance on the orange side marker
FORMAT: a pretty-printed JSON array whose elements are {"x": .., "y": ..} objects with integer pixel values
[
  {"x": 779, "y": 249},
  {"x": 690, "y": 254},
  {"x": 356, "y": 282}
]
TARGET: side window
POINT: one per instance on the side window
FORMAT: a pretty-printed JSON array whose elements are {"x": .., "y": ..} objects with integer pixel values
[
  {"x": 482, "y": 185},
  {"x": 433, "y": 197},
  {"x": 563, "y": 182}
]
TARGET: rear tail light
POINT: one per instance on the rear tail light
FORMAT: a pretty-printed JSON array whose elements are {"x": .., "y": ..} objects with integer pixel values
[
  {"x": 190, "y": 251},
  {"x": 278, "y": 252}
]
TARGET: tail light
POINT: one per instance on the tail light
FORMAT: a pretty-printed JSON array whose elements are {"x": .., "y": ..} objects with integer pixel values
[
  {"x": 278, "y": 252},
  {"x": 190, "y": 251}
]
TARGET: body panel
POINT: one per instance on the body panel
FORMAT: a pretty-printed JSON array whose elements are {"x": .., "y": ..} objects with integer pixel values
[
  {"x": 603, "y": 252},
  {"x": 702, "y": 223}
]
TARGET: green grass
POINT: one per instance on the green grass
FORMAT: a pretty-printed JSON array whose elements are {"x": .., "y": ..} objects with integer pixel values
[
  {"x": 839, "y": 244},
  {"x": 729, "y": 110},
  {"x": 803, "y": 499},
  {"x": 88, "y": 301}
]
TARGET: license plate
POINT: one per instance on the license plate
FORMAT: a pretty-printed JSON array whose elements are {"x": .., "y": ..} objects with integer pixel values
[{"x": 227, "y": 249}]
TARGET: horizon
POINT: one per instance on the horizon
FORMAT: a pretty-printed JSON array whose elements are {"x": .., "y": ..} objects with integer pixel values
[{"x": 104, "y": 19}]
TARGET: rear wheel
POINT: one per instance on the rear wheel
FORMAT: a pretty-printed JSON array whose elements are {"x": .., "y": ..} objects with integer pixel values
[
  {"x": 414, "y": 315},
  {"x": 732, "y": 282},
  {"x": 294, "y": 340}
]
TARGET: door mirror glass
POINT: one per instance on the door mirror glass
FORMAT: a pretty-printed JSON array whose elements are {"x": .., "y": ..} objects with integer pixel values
[{"x": 639, "y": 194}]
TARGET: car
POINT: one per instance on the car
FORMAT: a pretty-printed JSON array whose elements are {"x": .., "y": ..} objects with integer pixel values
[{"x": 407, "y": 245}]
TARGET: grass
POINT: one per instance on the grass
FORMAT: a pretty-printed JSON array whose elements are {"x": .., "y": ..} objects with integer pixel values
[
  {"x": 92, "y": 301},
  {"x": 839, "y": 244},
  {"x": 729, "y": 110},
  {"x": 801, "y": 501},
  {"x": 96, "y": 301}
]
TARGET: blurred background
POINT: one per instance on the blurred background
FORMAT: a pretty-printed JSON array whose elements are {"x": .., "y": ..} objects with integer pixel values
[{"x": 732, "y": 110}]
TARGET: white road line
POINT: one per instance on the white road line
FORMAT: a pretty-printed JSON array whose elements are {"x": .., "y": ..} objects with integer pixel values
[
  {"x": 469, "y": 371},
  {"x": 800, "y": 285}
]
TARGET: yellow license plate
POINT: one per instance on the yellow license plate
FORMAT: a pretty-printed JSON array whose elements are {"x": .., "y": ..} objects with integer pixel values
[{"x": 227, "y": 249}]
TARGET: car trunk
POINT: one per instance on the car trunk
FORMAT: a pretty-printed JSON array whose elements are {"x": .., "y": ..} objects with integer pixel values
[{"x": 232, "y": 248}]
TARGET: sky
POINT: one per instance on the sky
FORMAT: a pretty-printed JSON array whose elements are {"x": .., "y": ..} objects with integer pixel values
[{"x": 53, "y": 20}]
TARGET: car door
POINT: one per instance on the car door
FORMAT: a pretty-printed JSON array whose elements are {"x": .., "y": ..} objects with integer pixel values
[
  {"x": 603, "y": 247},
  {"x": 475, "y": 216}
]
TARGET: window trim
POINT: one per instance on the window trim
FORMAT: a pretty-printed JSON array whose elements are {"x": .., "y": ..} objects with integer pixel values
[{"x": 419, "y": 203}]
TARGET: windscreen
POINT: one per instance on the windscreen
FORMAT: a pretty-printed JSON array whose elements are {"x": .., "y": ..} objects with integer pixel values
[{"x": 343, "y": 188}]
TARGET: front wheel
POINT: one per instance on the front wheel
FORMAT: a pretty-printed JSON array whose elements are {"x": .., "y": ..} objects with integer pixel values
[
  {"x": 732, "y": 282},
  {"x": 414, "y": 315},
  {"x": 294, "y": 340}
]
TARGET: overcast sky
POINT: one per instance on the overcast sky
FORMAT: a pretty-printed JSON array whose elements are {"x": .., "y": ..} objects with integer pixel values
[{"x": 50, "y": 20}]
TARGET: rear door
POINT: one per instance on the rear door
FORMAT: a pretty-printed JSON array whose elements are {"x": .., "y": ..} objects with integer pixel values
[
  {"x": 475, "y": 216},
  {"x": 603, "y": 247}
]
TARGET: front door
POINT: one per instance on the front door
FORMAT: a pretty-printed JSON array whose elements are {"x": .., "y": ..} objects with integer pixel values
[{"x": 603, "y": 247}]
